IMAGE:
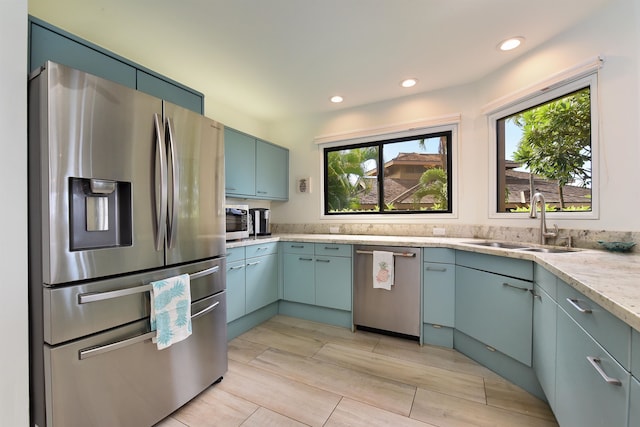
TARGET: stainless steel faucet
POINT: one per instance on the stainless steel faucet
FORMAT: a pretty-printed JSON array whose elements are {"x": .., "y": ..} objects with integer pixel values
[{"x": 544, "y": 234}]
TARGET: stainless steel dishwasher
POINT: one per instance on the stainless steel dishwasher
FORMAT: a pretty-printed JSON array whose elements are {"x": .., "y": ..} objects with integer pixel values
[{"x": 397, "y": 310}]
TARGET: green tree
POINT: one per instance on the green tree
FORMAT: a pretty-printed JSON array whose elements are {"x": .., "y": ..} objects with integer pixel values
[
  {"x": 345, "y": 168},
  {"x": 556, "y": 140},
  {"x": 433, "y": 182}
]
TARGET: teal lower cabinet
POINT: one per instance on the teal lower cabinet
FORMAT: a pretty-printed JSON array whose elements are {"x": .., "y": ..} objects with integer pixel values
[
  {"x": 333, "y": 282},
  {"x": 634, "y": 403},
  {"x": 494, "y": 315},
  {"x": 252, "y": 286},
  {"x": 236, "y": 290},
  {"x": 261, "y": 271},
  {"x": 496, "y": 310},
  {"x": 299, "y": 278},
  {"x": 544, "y": 342},
  {"x": 320, "y": 276},
  {"x": 545, "y": 331},
  {"x": 438, "y": 296},
  {"x": 592, "y": 388}
]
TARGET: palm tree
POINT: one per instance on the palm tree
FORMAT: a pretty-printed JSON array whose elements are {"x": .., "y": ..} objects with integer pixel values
[
  {"x": 433, "y": 182},
  {"x": 345, "y": 168}
]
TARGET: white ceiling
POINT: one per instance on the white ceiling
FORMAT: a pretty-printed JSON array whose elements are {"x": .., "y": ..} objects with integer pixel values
[{"x": 282, "y": 58}]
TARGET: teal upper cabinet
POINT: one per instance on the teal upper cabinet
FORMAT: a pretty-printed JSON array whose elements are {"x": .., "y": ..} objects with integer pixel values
[
  {"x": 168, "y": 91},
  {"x": 272, "y": 171},
  {"x": 240, "y": 163},
  {"x": 49, "y": 43},
  {"x": 255, "y": 169}
]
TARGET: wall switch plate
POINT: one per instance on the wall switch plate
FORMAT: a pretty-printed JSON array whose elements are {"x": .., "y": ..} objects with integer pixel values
[
  {"x": 439, "y": 231},
  {"x": 303, "y": 185}
]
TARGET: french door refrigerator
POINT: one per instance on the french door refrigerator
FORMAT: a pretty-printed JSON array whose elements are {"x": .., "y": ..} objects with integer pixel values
[{"x": 124, "y": 189}]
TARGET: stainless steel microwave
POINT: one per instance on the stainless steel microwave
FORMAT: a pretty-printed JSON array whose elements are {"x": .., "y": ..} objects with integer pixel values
[{"x": 238, "y": 222}]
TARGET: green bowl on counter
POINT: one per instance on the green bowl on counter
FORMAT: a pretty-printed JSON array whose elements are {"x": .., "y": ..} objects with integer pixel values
[{"x": 617, "y": 246}]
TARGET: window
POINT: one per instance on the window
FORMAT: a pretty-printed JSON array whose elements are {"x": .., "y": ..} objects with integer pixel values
[
  {"x": 395, "y": 176},
  {"x": 546, "y": 144}
]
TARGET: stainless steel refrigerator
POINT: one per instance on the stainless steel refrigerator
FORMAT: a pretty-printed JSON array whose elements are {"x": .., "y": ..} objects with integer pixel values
[{"x": 124, "y": 189}]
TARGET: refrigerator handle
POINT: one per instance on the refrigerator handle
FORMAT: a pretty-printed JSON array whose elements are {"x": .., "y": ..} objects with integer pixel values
[
  {"x": 173, "y": 220},
  {"x": 161, "y": 216}
]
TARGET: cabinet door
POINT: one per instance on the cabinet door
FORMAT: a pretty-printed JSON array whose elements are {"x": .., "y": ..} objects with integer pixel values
[
  {"x": 634, "y": 403},
  {"x": 236, "y": 292},
  {"x": 298, "y": 277},
  {"x": 544, "y": 342},
  {"x": 272, "y": 171},
  {"x": 333, "y": 282},
  {"x": 439, "y": 293},
  {"x": 495, "y": 310},
  {"x": 239, "y": 163},
  {"x": 168, "y": 91},
  {"x": 583, "y": 396},
  {"x": 46, "y": 44},
  {"x": 262, "y": 281}
]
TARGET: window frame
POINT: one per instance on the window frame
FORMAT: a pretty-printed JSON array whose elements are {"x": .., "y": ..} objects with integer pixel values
[
  {"x": 530, "y": 101},
  {"x": 379, "y": 140}
]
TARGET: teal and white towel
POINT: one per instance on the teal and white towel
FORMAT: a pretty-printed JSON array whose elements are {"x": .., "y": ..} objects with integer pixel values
[
  {"x": 383, "y": 270},
  {"x": 171, "y": 310}
]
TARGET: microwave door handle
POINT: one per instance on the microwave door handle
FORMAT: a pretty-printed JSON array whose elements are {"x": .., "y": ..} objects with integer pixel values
[
  {"x": 173, "y": 223},
  {"x": 161, "y": 215}
]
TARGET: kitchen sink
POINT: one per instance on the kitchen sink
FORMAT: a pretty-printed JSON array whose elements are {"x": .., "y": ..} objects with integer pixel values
[
  {"x": 549, "y": 250},
  {"x": 502, "y": 245},
  {"x": 520, "y": 247}
]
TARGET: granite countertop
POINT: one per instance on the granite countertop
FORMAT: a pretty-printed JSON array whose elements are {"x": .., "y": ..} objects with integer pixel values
[{"x": 611, "y": 280}]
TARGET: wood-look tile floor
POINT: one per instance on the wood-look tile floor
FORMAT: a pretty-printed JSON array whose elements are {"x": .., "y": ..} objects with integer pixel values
[{"x": 292, "y": 372}]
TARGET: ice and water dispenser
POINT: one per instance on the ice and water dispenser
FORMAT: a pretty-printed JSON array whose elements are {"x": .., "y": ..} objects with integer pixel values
[{"x": 100, "y": 213}]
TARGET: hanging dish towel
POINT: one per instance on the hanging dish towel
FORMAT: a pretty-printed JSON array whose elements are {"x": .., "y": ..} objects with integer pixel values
[
  {"x": 382, "y": 270},
  {"x": 171, "y": 310}
]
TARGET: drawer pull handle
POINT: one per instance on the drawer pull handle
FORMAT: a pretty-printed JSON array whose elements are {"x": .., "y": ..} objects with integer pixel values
[
  {"x": 576, "y": 304},
  {"x": 297, "y": 246},
  {"x": 305, "y": 259},
  {"x": 509, "y": 285},
  {"x": 441, "y": 270},
  {"x": 251, "y": 264},
  {"x": 323, "y": 260},
  {"x": 595, "y": 362},
  {"x": 237, "y": 267},
  {"x": 333, "y": 248},
  {"x": 401, "y": 254},
  {"x": 491, "y": 349}
]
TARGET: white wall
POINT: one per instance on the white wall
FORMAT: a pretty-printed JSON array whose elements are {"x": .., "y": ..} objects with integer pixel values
[
  {"x": 613, "y": 32},
  {"x": 14, "y": 387}
]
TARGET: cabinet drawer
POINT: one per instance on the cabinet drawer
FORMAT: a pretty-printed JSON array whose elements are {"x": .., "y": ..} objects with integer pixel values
[
  {"x": 610, "y": 332},
  {"x": 585, "y": 392},
  {"x": 546, "y": 280},
  {"x": 297, "y": 248},
  {"x": 331, "y": 249},
  {"x": 511, "y": 267},
  {"x": 235, "y": 254},
  {"x": 261, "y": 249},
  {"x": 441, "y": 255}
]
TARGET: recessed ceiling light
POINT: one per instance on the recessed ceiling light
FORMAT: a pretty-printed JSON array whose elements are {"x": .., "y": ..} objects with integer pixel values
[
  {"x": 510, "y": 43},
  {"x": 336, "y": 99},
  {"x": 409, "y": 82}
]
